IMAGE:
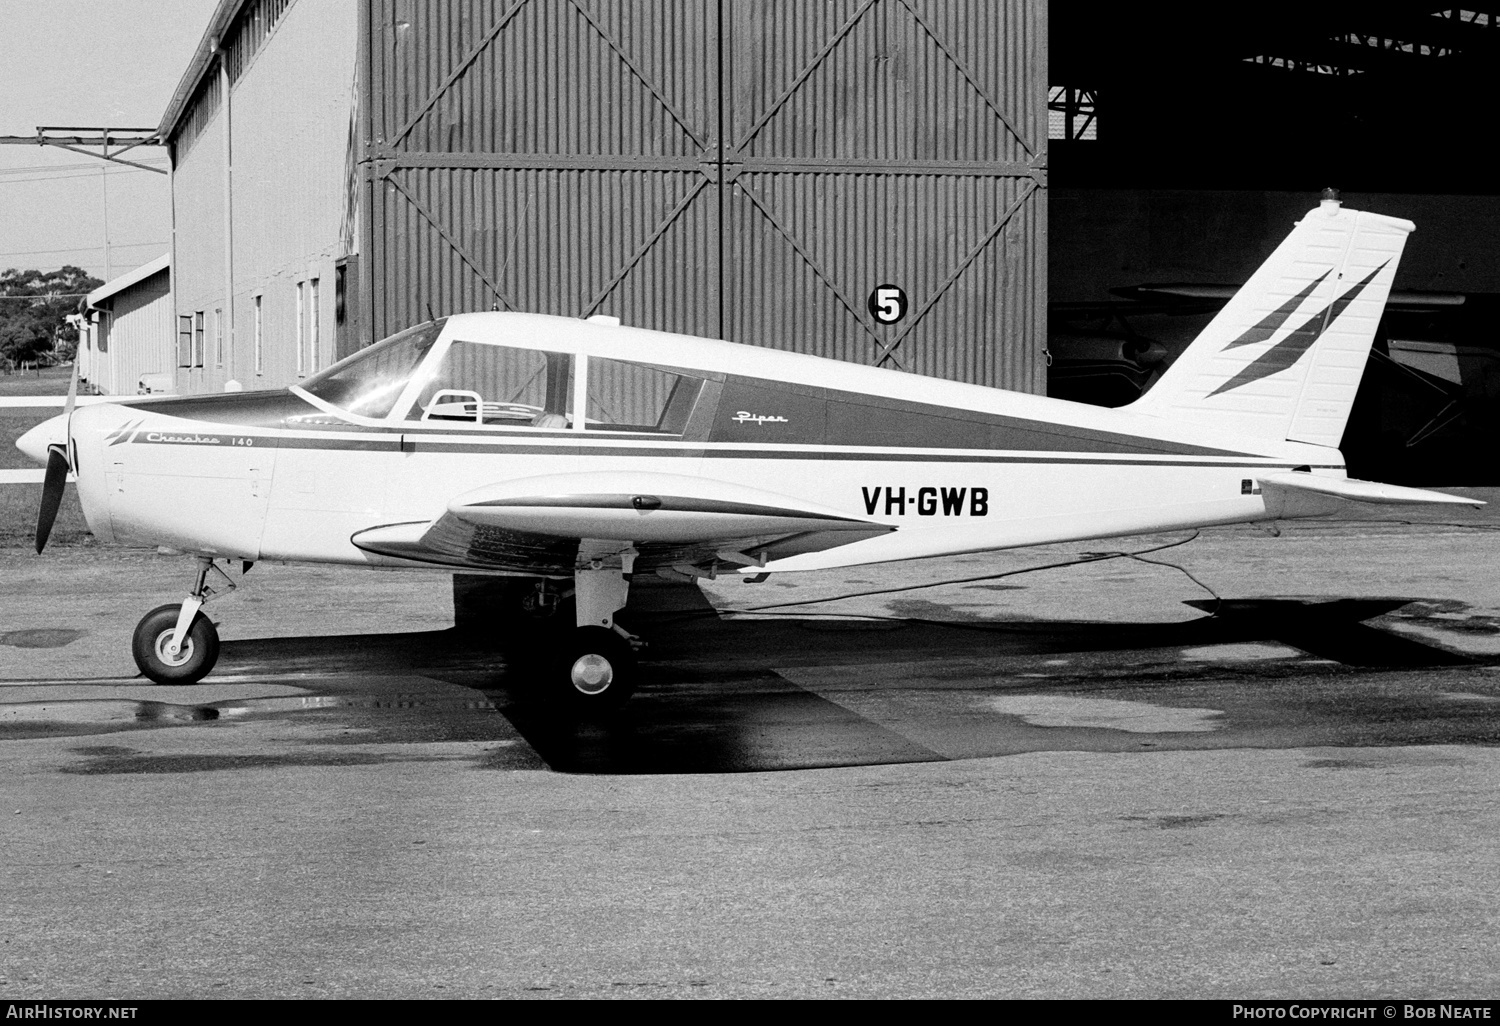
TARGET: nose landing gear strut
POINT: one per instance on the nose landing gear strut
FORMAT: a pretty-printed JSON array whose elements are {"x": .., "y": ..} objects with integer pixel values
[{"x": 176, "y": 643}]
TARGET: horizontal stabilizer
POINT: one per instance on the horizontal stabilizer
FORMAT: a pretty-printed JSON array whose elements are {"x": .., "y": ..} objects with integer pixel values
[{"x": 1361, "y": 491}]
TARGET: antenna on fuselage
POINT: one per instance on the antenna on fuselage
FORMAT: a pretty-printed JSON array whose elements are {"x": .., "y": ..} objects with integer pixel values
[{"x": 430, "y": 317}]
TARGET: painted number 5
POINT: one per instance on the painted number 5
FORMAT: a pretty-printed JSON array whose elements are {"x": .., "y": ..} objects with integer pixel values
[{"x": 887, "y": 304}]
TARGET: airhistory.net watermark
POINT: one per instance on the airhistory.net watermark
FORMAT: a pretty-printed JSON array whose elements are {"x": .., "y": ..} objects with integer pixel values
[{"x": 49, "y": 1010}]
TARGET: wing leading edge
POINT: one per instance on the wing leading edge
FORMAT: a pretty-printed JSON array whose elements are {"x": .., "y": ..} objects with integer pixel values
[{"x": 534, "y": 525}]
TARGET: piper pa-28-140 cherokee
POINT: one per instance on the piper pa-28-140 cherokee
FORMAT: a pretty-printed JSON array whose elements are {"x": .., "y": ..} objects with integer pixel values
[{"x": 584, "y": 452}]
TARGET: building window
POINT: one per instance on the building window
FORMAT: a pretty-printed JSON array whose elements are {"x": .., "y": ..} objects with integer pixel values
[
  {"x": 314, "y": 334},
  {"x": 1071, "y": 113},
  {"x": 260, "y": 366},
  {"x": 184, "y": 340},
  {"x": 218, "y": 338},
  {"x": 301, "y": 329},
  {"x": 198, "y": 339}
]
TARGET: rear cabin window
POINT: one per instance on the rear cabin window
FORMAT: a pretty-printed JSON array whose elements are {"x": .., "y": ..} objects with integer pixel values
[
  {"x": 639, "y": 397},
  {"x": 497, "y": 386}
]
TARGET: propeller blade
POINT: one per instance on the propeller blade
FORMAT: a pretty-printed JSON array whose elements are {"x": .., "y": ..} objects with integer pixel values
[
  {"x": 59, "y": 463},
  {"x": 72, "y": 392},
  {"x": 52, "y": 493}
]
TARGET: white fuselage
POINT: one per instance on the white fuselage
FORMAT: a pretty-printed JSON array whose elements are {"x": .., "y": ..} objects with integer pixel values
[{"x": 298, "y": 489}]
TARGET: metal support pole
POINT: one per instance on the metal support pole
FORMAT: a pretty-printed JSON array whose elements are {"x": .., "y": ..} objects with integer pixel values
[{"x": 227, "y": 325}]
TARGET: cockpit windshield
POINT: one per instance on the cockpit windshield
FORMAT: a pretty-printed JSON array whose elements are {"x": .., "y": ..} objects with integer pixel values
[{"x": 368, "y": 383}]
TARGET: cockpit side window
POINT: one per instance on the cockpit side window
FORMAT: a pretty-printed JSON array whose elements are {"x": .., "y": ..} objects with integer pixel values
[
  {"x": 639, "y": 397},
  {"x": 498, "y": 386},
  {"x": 369, "y": 382}
]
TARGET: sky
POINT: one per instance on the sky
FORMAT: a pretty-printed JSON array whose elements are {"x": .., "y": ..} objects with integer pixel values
[{"x": 90, "y": 63}]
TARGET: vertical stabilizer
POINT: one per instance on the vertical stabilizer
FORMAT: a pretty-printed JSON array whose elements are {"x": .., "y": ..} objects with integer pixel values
[{"x": 1284, "y": 357}]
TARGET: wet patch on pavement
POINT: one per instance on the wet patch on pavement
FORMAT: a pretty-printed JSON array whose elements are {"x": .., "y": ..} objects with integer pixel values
[
  {"x": 1177, "y": 822},
  {"x": 90, "y": 716},
  {"x": 41, "y": 637},
  {"x": 1240, "y": 652},
  {"x": 745, "y": 723},
  {"x": 135, "y": 762},
  {"x": 112, "y": 760},
  {"x": 744, "y": 694},
  {"x": 1104, "y": 714},
  {"x": 1381, "y": 759},
  {"x": 1343, "y": 764}
]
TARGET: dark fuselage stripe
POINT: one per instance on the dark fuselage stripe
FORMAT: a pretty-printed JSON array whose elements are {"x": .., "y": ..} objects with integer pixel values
[
  {"x": 823, "y": 416},
  {"x": 496, "y": 447}
]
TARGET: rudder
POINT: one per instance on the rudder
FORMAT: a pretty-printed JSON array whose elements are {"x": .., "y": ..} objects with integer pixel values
[{"x": 1284, "y": 357}]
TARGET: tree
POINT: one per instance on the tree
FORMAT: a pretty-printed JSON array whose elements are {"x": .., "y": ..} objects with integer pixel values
[{"x": 33, "y": 319}]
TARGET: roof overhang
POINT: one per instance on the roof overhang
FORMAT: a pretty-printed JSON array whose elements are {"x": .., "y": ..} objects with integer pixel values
[
  {"x": 201, "y": 65},
  {"x": 124, "y": 281}
]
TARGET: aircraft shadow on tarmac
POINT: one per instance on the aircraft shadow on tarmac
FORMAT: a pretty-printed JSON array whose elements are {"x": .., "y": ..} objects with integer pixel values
[{"x": 716, "y": 695}]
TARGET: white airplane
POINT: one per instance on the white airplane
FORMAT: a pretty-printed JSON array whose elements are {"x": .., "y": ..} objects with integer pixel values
[{"x": 583, "y": 453}]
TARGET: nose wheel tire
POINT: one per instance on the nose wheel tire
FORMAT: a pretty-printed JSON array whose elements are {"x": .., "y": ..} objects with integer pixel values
[
  {"x": 199, "y": 652},
  {"x": 594, "y": 673}
]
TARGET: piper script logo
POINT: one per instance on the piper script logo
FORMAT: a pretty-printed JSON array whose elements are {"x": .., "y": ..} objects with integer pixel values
[{"x": 743, "y": 417}]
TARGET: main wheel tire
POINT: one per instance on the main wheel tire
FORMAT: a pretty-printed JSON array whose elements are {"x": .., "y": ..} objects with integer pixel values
[
  {"x": 595, "y": 673},
  {"x": 200, "y": 648}
]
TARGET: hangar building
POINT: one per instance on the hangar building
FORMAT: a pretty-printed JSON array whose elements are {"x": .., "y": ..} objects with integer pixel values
[
  {"x": 125, "y": 333},
  {"x": 756, "y": 170},
  {"x": 759, "y": 169}
]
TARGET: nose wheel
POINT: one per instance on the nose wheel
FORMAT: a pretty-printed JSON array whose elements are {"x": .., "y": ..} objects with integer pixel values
[
  {"x": 177, "y": 644},
  {"x": 192, "y": 658}
]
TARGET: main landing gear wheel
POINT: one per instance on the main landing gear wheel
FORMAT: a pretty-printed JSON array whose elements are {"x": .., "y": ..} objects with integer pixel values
[
  {"x": 199, "y": 652},
  {"x": 595, "y": 672}
]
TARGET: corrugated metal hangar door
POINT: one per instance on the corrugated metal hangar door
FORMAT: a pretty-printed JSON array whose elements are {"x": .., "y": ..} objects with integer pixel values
[{"x": 862, "y": 179}]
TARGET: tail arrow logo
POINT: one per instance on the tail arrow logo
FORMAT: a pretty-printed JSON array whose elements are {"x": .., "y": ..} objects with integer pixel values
[
  {"x": 124, "y": 433},
  {"x": 1290, "y": 349},
  {"x": 1273, "y": 321}
]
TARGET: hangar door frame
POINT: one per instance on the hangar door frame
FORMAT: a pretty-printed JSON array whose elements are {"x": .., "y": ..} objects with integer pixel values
[{"x": 744, "y": 169}]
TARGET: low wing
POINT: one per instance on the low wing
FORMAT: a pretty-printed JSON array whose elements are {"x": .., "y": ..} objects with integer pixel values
[{"x": 535, "y": 525}]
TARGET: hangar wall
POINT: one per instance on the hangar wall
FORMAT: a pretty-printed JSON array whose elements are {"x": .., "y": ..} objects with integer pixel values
[
  {"x": 290, "y": 66},
  {"x": 745, "y": 169}
]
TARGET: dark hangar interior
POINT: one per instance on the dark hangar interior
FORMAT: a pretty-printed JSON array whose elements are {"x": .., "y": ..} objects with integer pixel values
[
  {"x": 1185, "y": 139},
  {"x": 1370, "y": 97}
]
